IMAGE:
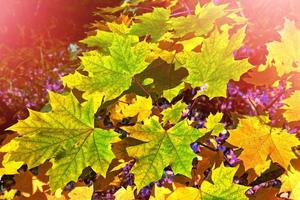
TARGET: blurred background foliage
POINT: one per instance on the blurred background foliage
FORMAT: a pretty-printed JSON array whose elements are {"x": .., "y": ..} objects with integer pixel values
[{"x": 38, "y": 44}]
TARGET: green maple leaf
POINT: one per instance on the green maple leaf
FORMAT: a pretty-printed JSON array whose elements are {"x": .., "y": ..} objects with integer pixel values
[
  {"x": 154, "y": 24},
  {"x": 67, "y": 136},
  {"x": 158, "y": 22},
  {"x": 173, "y": 114},
  {"x": 214, "y": 66},
  {"x": 213, "y": 124},
  {"x": 169, "y": 94},
  {"x": 104, "y": 39},
  {"x": 110, "y": 75},
  {"x": 160, "y": 149},
  {"x": 222, "y": 188},
  {"x": 201, "y": 23}
]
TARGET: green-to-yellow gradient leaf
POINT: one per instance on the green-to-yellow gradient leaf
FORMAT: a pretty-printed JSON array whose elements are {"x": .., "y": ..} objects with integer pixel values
[
  {"x": 110, "y": 75},
  {"x": 201, "y": 23},
  {"x": 174, "y": 113},
  {"x": 157, "y": 23},
  {"x": 213, "y": 124},
  {"x": 285, "y": 55},
  {"x": 261, "y": 142},
  {"x": 67, "y": 136},
  {"x": 104, "y": 39},
  {"x": 215, "y": 65},
  {"x": 222, "y": 188},
  {"x": 160, "y": 149},
  {"x": 154, "y": 24}
]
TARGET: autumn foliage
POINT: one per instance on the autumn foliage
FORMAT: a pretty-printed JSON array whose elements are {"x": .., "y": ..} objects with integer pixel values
[{"x": 171, "y": 99}]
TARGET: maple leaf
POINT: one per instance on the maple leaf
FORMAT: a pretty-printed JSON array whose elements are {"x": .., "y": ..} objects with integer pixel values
[
  {"x": 201, "y": 23},
  {"x": 169, "y": 94},
  {"x": 290, "y": 183},
  {"x": 9, "y": 167},
  {"x": 160, "y": 193},
  {"x": 67, "y": 136},
  {"x": 215, "y": 65},
  {"x": 190, "y": 44},
  {"x": 185, "y": 193},
  {"x": 159, "y": 52},
  {"x": 173, "y": 114},
  {"x": 213, "y": 124},
  {"x": 260, "y": 141},
  {"x": 154, "y": 24},
  {"x": 81, "y": 193},
  {"x": 161, "y": 148},
  {"x": 123, "y": 193},
  {"x": 110, "y": 75},
  {"x": 131, "y": 105},
  {"x": 292, "y": 112},
  {"x": 285, "y": 55},
  {"x": 53, "y": 197},
  {"x": 104, "y": 39},
  {"x": 222, "y": 187},
  {"x": 8, "y": 195}
]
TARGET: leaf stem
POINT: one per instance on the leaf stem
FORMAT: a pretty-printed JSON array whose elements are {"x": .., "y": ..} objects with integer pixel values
[
  {"x": 140, "y": 86},
  {"x": 274, "y": 100},
  {"x": 208, "y": 147},
  {"x": 188, "y": 10},
  {"x": 179, "y": 13}
]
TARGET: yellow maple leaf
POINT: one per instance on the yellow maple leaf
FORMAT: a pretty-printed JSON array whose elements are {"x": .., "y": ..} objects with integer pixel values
[
  {"x": 213, "y": 124},
  {"x": 190, "y": 44},
  {"x": 9, "y": 167},
  {"x": 125, "y": 194},
  {"x": 260, "y": 142},
  {"x": 131, "y": 105},
  {"x": 37, "y": 185},
  {"x": 157, "y": 52},
  {"x": 290, "y": 183},
  {"x": 50, "y": 197},
  {"x": 56, "y": 196},
  {"x": 185, "y": 193},
  {"x": 8, "y": 195},
  {"x": 160, "y": 193},
  {"x": 292, "y": 112},
  {"x": 81, "y": 193},
  {"x": 285, "y": 55}
]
